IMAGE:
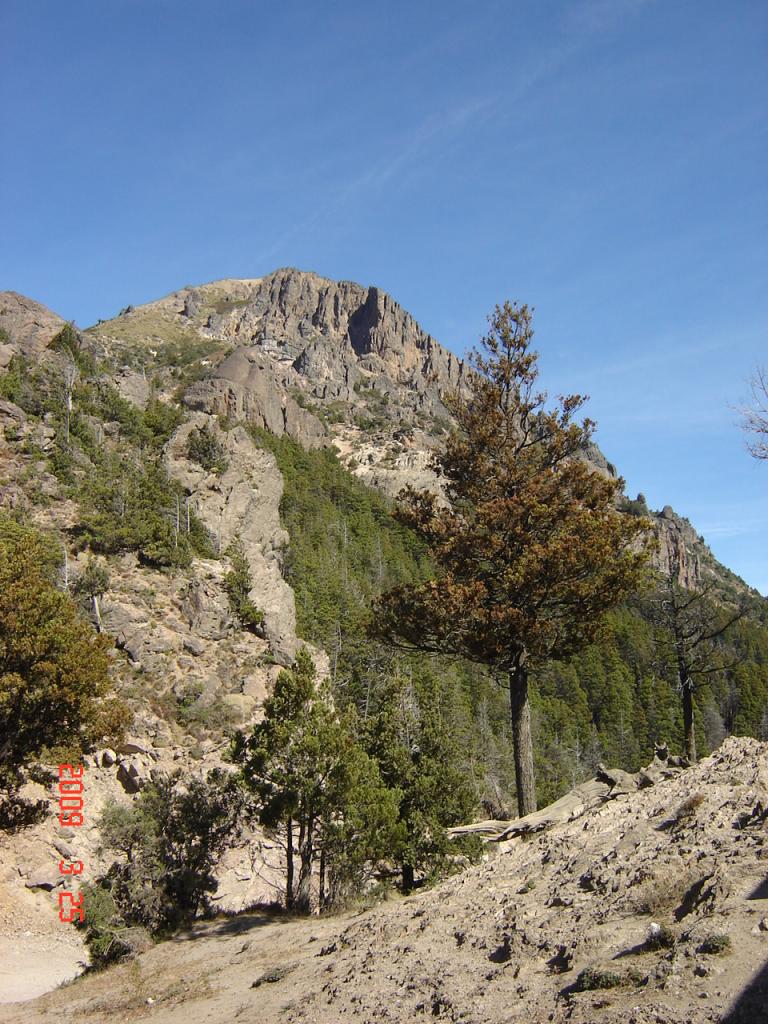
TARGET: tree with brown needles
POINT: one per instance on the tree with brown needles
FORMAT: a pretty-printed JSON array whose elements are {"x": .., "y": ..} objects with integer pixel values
[{"x": 530, "y": 550}]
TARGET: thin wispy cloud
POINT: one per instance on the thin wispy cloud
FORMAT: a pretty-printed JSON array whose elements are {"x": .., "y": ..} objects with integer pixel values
[
  {"x": 437, "y": 130},
  {"x": 433, "y": 135},
  {"x": 596, "y": 16}
]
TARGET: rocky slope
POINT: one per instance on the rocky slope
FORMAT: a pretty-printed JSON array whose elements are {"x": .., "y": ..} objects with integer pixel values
[
  {"x": 652, "y": 909},
  {"x": 333, "y": 363},
  {"x": 327, "y": 363}
]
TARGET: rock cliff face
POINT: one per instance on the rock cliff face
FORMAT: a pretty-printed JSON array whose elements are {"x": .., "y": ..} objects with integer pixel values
[
  {"x": 331, "y": 332},
  {"x": 681, "y": 551},
  {"x": 29, "y": 326},
  {"x": 323, "y": 361},
  {"x": 326, "y": 362},
  {"x": 243, "y": 502}
]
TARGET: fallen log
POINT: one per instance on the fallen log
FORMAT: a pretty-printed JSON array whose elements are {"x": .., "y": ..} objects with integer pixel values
[{"x": 607, "y": 784}]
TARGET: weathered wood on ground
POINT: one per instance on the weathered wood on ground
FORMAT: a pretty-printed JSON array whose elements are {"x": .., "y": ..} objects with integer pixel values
[{"x": 607, "y": 784}]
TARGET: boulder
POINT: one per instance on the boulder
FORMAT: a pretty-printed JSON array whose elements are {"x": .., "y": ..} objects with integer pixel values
[{"x": 45, "y": 876}]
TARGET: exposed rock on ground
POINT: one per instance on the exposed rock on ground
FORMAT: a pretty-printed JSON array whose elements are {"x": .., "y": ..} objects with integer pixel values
[{"x": 660, "y": 895}]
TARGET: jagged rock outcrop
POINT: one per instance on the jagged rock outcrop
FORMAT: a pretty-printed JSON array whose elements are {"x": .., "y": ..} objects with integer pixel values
[
  {"x": 29, "y": 325},
  {"x": 243, "y": 501},
  {"x": 317, "y": 359},
  {"x": 289, "y": 312},
  {"x": 243, "y": 388},
  {"x": 680, "y": 551}
]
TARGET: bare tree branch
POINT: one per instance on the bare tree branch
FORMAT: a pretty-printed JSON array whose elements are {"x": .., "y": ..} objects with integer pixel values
[{"x": 755, "y": 415}]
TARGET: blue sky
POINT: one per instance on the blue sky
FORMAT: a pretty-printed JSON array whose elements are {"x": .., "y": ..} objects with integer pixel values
[{"x": 603, "y": 160}]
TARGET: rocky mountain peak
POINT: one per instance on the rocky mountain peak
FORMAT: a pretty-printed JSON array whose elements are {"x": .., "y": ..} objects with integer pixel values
[{"x": 333, "y": 363}]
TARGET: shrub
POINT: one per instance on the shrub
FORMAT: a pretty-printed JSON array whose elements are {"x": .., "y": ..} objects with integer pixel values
[
  {"x": 715, "y": 944},
  {"x": 68, "y": 342},
  {"x": 150, "y": 427},
  {"x": 107, "y": 936},
  {"x": 596, "y": 978},
  {"x": 170, "y": 838},
  {"x": 660, "y": 937},
  {"x": 26, "y": 386},
  {"x": 206, "y": 450},
  {"x": 238, "y": 584},
  {"x": 688, "y": 808}
]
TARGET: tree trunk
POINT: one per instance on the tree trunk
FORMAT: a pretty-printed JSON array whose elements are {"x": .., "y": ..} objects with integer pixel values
[
  {"x": 306, "y": 858},
  {"x": 321, "y": 886},
  {"x": 688, "y": 724},
  {"x": 289, "y": 866},
  {"x": 97, "y": 612},
  {"x": 686, "y": 690},
  {"x": 408, "y": 879},
  {"x": 520, "y": 714}
]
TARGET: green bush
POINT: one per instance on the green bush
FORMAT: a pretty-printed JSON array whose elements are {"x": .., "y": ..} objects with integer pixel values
[
  {"x": 238, "y": 584},
  {"x": 596, "y": 978},
  {"x": 134, "y": 506},
  {"x": 715, "y": 944},
  {"x": 68, "y": 342},
  {"x": 107, "y": 936},
  {"x": 150, "y": 427},
  {"x": 206, "y": 450},
  {"x": 28, "y": 387},
  {"x": 661, "y": 937},
  {"x": 169, "y": 839}
]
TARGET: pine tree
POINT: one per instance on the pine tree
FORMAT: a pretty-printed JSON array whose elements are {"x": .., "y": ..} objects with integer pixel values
[
  {"x": 54, "y": 669},
  {"x": 238, "y": 583},
  {"x": 415, "y": 748},
  {"x": 531, "y": 550},
  {"x": 316, "y": 789}
]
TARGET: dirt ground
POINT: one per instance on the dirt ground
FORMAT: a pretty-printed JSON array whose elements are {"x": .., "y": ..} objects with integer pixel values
[
  {"x": 32, "y": 964},
  {"x": 553, "y": 928},
  {"x": 204, "y": 975}
]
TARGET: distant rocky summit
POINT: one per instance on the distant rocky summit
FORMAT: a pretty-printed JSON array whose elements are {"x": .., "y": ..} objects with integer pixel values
[{"x": 333, "y": 363}]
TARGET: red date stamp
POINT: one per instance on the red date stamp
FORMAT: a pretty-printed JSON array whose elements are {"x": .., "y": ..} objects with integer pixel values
[{"x": 70, "y": 816}]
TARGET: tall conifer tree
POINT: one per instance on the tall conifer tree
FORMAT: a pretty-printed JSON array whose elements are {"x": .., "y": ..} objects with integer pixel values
[{"x": 530, "y": 550}]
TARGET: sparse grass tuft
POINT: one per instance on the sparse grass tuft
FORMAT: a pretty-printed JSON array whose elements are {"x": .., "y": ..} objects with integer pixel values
[
  {"x": 660, "y": 937},
  {"x": 688, "y": 808},
  {"x": 592, "y": 978},
  {"x": 715, "y": 944},
  {"x": 661, "y": 893}
]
